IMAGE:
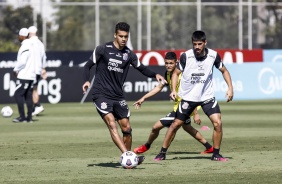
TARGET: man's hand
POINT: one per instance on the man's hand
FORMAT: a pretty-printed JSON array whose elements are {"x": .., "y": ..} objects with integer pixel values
[
  {"x": 44, "y": 74},
  {"x": 173, "y": 95},
  {"x": 85, "y": 86},
  {"x": 229, "y": 95},
  {"x": 138, "y": 103},
  {"x": 197, "y": 119},
  {"x": 161, "y": 79}
]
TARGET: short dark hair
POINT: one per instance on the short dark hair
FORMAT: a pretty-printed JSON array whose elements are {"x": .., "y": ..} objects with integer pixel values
[
  {"x": 170, "y": 56},
  {"x": 199, "y": 36},
  {"x": 122, "y": 26}
]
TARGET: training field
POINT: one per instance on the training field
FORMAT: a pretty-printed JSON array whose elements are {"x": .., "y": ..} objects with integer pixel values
[{"x": 69, "y": 143}]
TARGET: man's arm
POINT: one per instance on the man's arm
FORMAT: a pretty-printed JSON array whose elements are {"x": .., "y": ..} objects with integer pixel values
[
  {"x": 86, "y": 75},
  {"x": 174, "y": 81},
  {"x": 227, "y": 78},
  {"x": 154, "y": 91}
]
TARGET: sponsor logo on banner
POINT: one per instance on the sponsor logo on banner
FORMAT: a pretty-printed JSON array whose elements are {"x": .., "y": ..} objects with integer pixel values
[{"x": 269, "y": 81}]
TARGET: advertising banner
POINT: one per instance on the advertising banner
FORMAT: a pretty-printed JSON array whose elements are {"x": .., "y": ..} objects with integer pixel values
[
  {"x": 148, "y": 58},
  {"x": 64, "y": 84},
  {"x": 251, "y": 81},
  {"x": 272, "y": 56}
]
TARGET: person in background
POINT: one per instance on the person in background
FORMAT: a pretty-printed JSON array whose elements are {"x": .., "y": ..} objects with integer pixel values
[
  {"x": 170, "y": 64},
  {"x": 112, "y": 61},
  {"x": 40, "y": 63},
  {"x": 25, "y": 72},
  {"x": 196, "y": 89}
]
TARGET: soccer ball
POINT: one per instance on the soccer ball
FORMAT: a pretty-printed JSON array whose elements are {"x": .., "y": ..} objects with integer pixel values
[
  {"x": 129, "y": 160},
  {"x": 7, "y": 111}
]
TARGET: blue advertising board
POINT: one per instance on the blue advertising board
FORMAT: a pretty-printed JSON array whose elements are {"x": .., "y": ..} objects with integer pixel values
[{"x": 251, "y": 81}]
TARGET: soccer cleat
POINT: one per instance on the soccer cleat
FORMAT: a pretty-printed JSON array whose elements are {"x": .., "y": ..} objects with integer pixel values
[
  {"x": 37, "y": 110},
  {"x": 160, "y": 156},
  {"x": 219, "y": 157},
  {"x": 19, "y": 120},
  {"x": 207, "y": 151},
  {"x": 141, "y": 158},
  {"x": 140, "y": 149},
  {"x": 29, "y": 120}
]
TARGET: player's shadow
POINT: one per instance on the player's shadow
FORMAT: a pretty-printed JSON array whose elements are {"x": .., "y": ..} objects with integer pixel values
[
  {"x": 204, "y": 156},
  {"x": 186, "y": 153},
  {"x": 110, "y": 164}
]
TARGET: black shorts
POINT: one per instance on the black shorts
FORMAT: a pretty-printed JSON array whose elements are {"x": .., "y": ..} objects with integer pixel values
[
  {"x": 185, "y": 108},
  {"x": 38, "y": 77},
  {"x": 24, "y": 88},
  {"x": 118, "y": 108},
  {"x": 168, "y": 119}
]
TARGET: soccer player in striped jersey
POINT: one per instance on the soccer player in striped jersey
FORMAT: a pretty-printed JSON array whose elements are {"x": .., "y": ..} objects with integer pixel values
[
  {"x": 196, "y": 88},
  {"x": 112, "y": 61},
  {"x": 170, "y": 64}
]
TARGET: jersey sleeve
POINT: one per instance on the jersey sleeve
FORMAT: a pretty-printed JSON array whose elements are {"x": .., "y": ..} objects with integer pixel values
[
  {"x": 97, "y": 53},
  {"x": 94, "y": 58},
  {"x": 182, "y": 62},
  {"x": 21, "y": 62},
  {"x": 218, "y": 62},
  {"x": 135, "y": 62}
]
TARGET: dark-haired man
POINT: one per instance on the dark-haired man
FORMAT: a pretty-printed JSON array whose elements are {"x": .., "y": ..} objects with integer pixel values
[
  {"x": 170, "y": 64},
  {"x": 25, "y": 72},
  {"x": 112, "y": 61},
  {"x": 196, "y": 88}
]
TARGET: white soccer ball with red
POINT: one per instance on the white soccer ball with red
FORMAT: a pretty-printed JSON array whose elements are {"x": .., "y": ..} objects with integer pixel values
[
  {"x": 7, "y": 111},
  {"x": 129, "y": 160}
]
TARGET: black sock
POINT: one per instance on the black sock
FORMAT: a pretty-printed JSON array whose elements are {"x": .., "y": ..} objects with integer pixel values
[
  {"x": 163, "y": 150},
  {"x": 207, "y": 145},
  {"x": 148, "y": 145},
  {"x": 37, "y": 104},
  {"x": 216, "y": 151}
]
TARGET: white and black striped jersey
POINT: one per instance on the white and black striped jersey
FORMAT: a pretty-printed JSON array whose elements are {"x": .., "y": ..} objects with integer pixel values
[
  {"x": 25, "y": 65},
  {"x": 112, "y": 66},
  {"x": 196, "y": 83}
]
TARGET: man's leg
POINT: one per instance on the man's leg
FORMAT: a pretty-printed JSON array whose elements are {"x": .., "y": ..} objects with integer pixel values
[
  {"x": 126, "y": 131},
  {"x": 198, "y": 136},
  {"x": 152, "y": 137},
  {"x": 29, "y": 103},
  {"x": 217, "y": 136},
  {"x": 111, "y": 124},
  {"x": 170, "y": 134},
  {"x": 19, "y": 97}
]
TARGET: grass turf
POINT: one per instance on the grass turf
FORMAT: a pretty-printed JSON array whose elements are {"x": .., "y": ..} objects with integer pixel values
[{"x": 69, "y": 143}]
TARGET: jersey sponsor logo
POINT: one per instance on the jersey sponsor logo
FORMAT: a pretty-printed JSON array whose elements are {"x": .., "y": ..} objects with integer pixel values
[
  {"x": 115, "y": 60},
  {"x": 196, "y": 78},
  {"x": 185, "y": 105},
  {"x": 109, "y": 46},
  {"x": 198, "y": 74},
  {"x": 104, "y": 105},
  {"x": 111, "y": 53},
  {"x": 113, "y": 65}
]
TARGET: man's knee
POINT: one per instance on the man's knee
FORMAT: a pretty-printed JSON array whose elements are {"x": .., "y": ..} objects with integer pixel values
[{"x": 127, "y": 132}]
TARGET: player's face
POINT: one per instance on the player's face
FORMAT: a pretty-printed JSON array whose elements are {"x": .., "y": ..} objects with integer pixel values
[
  {"x": 170, "y": 65},
  {"x": 199, "y": 47},
  {"x": 121, "y": 38}
]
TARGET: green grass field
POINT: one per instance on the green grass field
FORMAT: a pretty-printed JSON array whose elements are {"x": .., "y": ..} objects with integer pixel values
[{"x": 69, "y": 143}]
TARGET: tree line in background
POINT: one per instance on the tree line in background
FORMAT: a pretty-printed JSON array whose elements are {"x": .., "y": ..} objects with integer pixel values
[{"x": 171, "y": 26}]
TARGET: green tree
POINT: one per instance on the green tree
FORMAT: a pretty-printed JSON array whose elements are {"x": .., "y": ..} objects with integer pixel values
[{"x": 13, "y": 20}]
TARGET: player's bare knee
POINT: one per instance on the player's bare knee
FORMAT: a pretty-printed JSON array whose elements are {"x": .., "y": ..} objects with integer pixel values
[
  {"x": 127, "y": 132},
  {"x": 217, "y": 125}
]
